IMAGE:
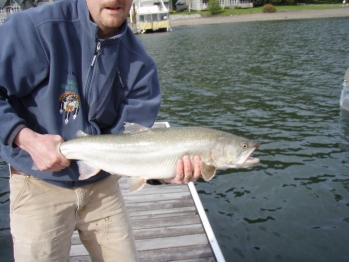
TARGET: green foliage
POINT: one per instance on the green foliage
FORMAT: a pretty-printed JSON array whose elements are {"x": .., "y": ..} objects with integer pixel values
[
  {"x": 237, "y": 7},
  {"x": 268, "y": 8},
  {"x": 226, "y": 7},
  {"x": 213, "y": 7}
]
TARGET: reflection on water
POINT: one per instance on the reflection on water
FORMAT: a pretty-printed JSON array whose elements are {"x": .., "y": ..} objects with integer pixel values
[{"x": 278, "y": 83}]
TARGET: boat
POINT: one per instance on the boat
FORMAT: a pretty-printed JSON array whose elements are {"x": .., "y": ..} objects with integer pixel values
[
  {"x": 152, "y": 15},
  {"x": 344, "y": 100}
]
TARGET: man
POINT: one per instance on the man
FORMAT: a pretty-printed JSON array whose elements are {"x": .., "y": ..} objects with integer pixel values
[{"x": 72, "y": 65}]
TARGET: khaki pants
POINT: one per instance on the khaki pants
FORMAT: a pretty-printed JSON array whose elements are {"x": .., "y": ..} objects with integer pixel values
[{"x": 44, "y": 216}]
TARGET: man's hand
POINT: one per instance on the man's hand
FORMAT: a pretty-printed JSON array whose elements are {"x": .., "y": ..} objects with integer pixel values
[
  {"x": 44, "y": 149},
  {"x": 186, "y": 172}
]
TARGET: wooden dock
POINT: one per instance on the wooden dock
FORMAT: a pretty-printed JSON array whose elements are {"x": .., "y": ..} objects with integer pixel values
[{"x": 166, "y": 224}]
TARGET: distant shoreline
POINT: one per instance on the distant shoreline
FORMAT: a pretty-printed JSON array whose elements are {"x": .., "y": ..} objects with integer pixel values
[{"x": 280, "y": 15}]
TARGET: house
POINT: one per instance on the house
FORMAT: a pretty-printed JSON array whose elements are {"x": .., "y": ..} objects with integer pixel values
[
  {"x": 181, "y": 5},
  {"x": 200, "y": 5},
  {"x": 8, "y": 7},
  {"x": 167, "y": 3}
]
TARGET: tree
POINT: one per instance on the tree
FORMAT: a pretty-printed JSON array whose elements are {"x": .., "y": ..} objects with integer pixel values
[{"x": 213, "y": 7}]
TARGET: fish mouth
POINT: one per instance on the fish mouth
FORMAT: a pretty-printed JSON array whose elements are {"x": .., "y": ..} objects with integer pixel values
[
  {"x": 248, "y": 160},
  {"x": 251, "y": 161}
]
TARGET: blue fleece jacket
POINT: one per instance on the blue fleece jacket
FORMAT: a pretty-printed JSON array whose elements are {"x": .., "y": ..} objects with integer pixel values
[{"x": 56, "y": 77}]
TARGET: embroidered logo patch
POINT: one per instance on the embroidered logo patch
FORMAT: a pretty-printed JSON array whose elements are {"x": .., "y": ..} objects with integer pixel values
[{"x": 69, "y": 103}]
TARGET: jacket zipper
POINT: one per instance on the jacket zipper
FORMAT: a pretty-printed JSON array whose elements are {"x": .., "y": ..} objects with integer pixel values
[
  {"x": 120, "y": 79},
  {"x": 89, "y": 76},
  {"x": 96, "y": 53}
]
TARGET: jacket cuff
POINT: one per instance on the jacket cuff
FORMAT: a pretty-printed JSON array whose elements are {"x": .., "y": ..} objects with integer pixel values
[{"x": 14, "y": 133}]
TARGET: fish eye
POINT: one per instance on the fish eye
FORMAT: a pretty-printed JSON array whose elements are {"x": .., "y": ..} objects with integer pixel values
[{"x": 244, "y": 145}]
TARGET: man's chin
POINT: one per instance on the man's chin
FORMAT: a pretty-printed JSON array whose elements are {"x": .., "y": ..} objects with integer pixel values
[
  {"x": 115, "y": 22},
  {"x": 111, "y": 25}
]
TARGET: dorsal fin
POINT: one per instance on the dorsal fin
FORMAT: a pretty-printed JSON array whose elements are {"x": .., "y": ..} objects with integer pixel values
[
  {"x": 80, "y": 133},
  {"x": 132, "y": 128}
]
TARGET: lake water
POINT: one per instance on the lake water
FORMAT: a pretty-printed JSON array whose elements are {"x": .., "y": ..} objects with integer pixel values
[{"x": 277, "y": 82}]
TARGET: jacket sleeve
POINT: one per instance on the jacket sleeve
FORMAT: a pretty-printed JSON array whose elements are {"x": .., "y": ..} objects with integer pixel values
[{"x": 23, "y": 64}]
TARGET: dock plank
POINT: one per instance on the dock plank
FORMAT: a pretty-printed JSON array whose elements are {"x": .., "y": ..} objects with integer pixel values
[
  {"x": 171, "y": 242},
  {"x": 160, "y": 197},
  {"x": 190, "y": 253},
  {"x": 168, "y": 231},
  {"x": 172, "y": 203}
]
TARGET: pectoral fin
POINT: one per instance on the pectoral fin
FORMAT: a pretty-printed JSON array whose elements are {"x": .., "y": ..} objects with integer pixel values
[
  {"x": 86, "y": 171},
  {"x": 207, "y": 171},
  {"x": 136, "y": 183},
  {"x": 132, "y": 128}
]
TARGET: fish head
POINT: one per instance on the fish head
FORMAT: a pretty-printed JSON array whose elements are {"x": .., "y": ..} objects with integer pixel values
[{"x": 234, "y": 152}]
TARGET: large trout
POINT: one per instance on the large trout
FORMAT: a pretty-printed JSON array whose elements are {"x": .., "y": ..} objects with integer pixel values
[{"x": 142, "y": 153}]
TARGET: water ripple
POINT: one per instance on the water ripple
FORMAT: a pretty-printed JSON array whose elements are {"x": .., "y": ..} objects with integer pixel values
[{"x": 278, "y": 83}]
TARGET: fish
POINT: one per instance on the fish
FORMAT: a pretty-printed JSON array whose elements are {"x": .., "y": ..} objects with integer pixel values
[{"x": 143, "y": 153}]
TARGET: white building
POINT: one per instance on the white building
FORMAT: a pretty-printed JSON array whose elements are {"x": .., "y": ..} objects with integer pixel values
[{"x": 150, "y": 15}]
